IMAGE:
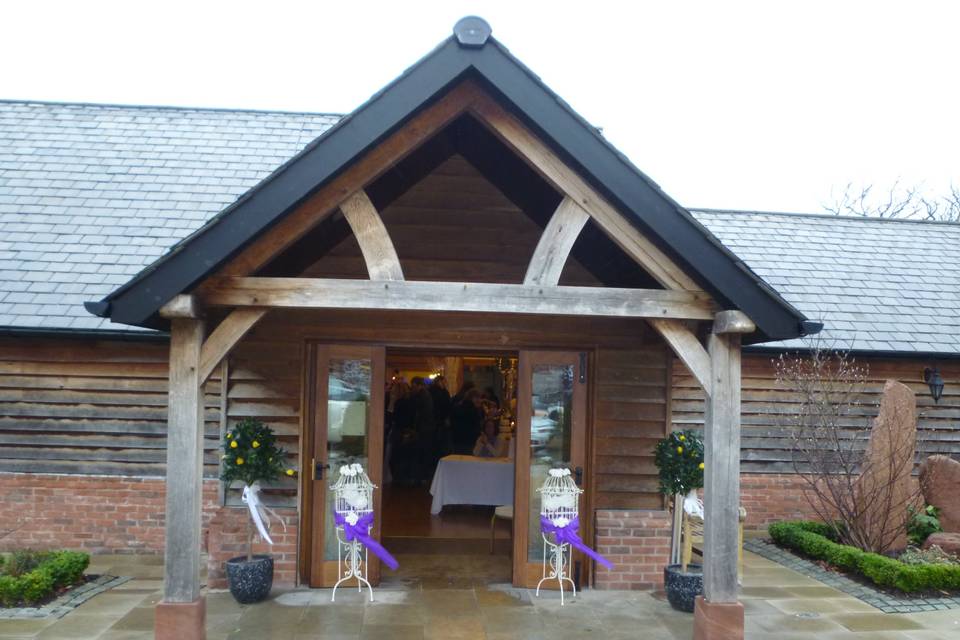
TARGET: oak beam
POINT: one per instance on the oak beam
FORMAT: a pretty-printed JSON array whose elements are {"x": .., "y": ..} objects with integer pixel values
[
  {"x": 227, "y": 334},
  {"x": 567, "y": 181},
  {"x": 181, "y": 577},
  {"x": 733, "y": 322},
  {"x": 555, "y": 244},
  {"x": 354, "y": 177},
  {"x": 321, "y": 293},
  {"x": 688, "y": 348},
  {"x": 378, "y": 251},
  {"x": 722, "y": 470},
  {"x": 181, "y": 306}
]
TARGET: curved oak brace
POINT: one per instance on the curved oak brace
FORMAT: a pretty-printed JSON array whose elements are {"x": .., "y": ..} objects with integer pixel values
[
  {"x": 225, "y": 336},
  {"x": 568, "y": 182},
  {"x": 555, "y": 244},
  {"x": 685, "y": 344},
  {"x": 375, "y": 244}
]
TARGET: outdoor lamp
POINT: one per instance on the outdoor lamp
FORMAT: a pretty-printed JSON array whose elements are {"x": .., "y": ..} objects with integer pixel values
[{"x": 935, "y": 381}]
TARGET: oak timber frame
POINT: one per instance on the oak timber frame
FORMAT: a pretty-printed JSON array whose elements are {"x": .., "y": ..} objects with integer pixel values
[{"x": 673, "y": 311}]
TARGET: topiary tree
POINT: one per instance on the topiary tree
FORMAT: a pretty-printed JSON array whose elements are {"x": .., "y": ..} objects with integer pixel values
[
  {"x": 251, "y": 455},
  {"x": 679, "y": 459}
]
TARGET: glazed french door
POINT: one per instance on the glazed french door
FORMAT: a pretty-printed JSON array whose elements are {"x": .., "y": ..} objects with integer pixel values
[
  {"x": 343, "y": 424},
  {"x": 551, "y": 433}
]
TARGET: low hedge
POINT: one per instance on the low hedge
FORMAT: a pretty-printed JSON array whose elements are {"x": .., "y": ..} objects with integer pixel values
[
  {"x": 813, "y": 539},
  {"x": 57, "y": 570}
]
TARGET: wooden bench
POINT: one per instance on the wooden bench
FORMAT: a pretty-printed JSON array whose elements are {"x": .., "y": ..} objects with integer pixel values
[{"x": 692, "y": 539}]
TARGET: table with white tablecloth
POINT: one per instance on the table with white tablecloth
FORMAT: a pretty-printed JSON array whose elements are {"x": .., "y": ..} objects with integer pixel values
[{"x": 471, "y": 480}]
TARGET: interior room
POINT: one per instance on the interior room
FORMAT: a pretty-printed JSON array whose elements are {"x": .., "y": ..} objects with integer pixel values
[{"x": 449, "y": 421}]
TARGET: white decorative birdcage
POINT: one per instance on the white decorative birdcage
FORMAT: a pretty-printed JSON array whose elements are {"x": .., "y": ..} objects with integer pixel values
[
  {"x": 352, "y": 503},
  {"x": 559, "y": 506}
]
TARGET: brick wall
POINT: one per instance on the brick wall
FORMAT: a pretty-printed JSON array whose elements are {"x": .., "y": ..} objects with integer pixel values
[
  {"x": 227, "y": 538},
  {"x": 97, "y": 514},
  {"x": 637, "y": 542},
  {"x": 769, "y": 497}
]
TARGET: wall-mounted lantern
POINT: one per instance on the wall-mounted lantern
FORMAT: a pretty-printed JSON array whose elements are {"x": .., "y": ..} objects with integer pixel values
[{"x": 935, "y": 381}]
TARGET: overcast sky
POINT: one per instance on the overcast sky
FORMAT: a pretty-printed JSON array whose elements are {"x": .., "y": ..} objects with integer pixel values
[{"x": 765, "y": 106}]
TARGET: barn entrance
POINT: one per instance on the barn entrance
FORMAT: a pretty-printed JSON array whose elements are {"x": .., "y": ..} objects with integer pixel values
[{"x": 458, "y": 441}]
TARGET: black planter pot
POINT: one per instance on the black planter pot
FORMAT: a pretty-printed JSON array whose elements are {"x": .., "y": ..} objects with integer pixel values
[
  {"x": 250, "y": 581},
  {"x": 683, "y": 587}
]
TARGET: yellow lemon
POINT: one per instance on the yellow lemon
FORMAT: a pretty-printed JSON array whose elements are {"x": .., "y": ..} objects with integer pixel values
[
  {"x": 254, "y": 444},
  {"x": 233, "y": 445},
  {"x": 229, "y": 435},
  {"x": 679, "y": 449},
  {"x": 239, "y": 460},
  {"x": 290, "y": 472},
  {"x": 701, "y": 466},
  {"x": 682, "y": 438}
]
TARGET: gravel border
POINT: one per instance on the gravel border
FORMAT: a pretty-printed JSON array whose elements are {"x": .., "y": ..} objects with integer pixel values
[
  {"x": 882, "y": 600},
  {"x": 65, "y": 603}
]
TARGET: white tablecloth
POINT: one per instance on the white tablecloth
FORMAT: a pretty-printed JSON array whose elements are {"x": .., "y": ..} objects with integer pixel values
[{"x": 470, "y": 480}]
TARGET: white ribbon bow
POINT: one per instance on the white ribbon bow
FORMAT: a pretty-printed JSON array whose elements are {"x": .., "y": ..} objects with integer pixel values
[
  {"x": 259, "y": 511},
  {"x": 693, "y": 505}
]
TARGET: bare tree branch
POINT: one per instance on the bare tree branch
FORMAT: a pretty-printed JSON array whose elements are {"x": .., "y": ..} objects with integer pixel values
[{"x": 896, "y": 202}]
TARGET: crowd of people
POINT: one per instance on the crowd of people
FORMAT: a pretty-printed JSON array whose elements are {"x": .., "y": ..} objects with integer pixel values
[{"x": 424, "y": 423}]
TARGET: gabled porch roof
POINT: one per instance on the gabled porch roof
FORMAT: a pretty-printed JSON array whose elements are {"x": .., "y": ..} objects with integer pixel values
[{"x": 667, "y": 225}]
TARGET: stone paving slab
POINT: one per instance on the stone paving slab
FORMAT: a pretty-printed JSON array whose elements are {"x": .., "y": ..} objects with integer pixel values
[
  {"x": 888, "y": 602},
  {"x": 66, "y": 602}
]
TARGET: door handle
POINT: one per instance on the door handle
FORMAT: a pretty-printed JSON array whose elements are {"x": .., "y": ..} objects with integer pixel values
[
  {"x": 318, "y": 468},
  {"x": 578, "y": 475}
]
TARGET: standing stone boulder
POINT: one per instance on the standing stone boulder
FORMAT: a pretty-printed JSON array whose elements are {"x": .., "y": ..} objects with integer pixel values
[
  {"x": 948, "y": 542},
  {"x": 884, "y": 487},
  {"x": 940, "y": 483}
]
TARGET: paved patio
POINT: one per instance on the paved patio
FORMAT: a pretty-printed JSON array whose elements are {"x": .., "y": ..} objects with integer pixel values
[{"x": 456, "y": 598}]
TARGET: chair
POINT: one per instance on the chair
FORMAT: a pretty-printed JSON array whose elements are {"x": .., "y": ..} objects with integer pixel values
[
  {"x": 692, "y": 538},
  {"x": 505, "y": 512}
]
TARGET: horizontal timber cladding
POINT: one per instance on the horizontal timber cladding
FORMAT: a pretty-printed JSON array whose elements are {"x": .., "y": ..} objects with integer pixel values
[
  {"x": 455, "y": 226},
  {"x": 75, "y": 406},
  {"x": 767, "y": 407},
  {"x": 629, "y": 417}
]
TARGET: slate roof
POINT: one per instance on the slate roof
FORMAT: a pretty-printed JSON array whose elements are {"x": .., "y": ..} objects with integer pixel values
[
  {"x": 877, "y": 284},
  {"x": 91, "y": 194}
]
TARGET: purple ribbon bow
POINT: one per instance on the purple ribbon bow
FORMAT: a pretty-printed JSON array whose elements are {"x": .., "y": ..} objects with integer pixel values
[
  {"x": 568, "y": 534},
  {"x": 361, "y": 532}
]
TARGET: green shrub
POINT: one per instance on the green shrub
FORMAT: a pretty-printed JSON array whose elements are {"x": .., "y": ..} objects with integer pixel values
[
  {"x": 25, "y": 561},
  {"x": 66, "y": 567},
  {"x": 11, "y": 591},
  {"x": 808, "y": 538},
  {"x": 921, "y": 524},
  {"x": 48, "y": 572}
]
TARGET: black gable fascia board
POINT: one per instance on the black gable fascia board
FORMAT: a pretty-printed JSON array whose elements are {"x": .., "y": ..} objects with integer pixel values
[
  {"x": 673, "y": 229},
  {"x": 655, "y": 214},
  {"x": 264, "y": 205}
]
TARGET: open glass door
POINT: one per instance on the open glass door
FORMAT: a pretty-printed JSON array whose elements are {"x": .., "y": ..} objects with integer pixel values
[
  {"x": 343, "y": 424},
  {"x": 551, "y": 432}
]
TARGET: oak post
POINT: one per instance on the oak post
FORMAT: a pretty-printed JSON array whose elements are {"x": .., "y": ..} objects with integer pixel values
[
  {"x": 182, "y": 607},
  {"x": 717, "y": 613}
]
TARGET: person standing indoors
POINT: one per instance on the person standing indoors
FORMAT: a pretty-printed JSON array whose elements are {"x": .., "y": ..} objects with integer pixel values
[{"x": 490, "y": 444}]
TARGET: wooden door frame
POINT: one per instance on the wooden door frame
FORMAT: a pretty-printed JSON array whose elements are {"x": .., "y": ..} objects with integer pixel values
[
  {"x": 308, "y": 416},
  {"x": 524, "y": 573},
  {"x": 312, "y": 570}
]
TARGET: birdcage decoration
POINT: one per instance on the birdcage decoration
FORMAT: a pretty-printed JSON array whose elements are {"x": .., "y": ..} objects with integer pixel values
[
  {"x": 559, "y": 523},
  {"x": 559, "y": 506},
  {"x": 353, "y": 519}
]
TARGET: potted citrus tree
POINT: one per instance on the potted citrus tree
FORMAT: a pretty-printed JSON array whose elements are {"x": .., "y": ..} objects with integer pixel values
[
  {"x": 251, "y": 456},
  {"x": 679, "y": 460}
]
